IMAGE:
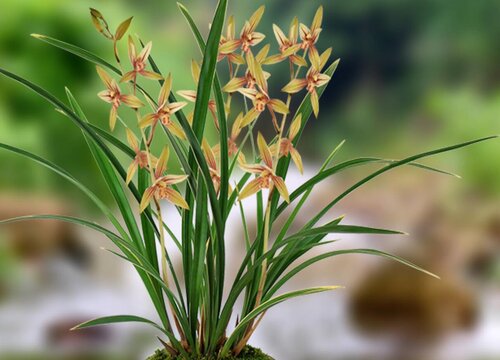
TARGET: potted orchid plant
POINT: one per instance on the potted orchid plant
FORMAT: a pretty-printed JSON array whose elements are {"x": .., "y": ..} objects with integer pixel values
[{"x": 219, "y": 173}]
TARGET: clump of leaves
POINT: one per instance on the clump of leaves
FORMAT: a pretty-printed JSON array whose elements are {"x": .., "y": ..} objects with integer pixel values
[{"x": 195, "y": 315}]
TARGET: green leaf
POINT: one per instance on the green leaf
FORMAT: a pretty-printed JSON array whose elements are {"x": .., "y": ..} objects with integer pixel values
[
  {"x": 391, "y": 166},
  {"x": 317, "y": 258},
  {"x": 115, "y": 320},
  {"x": 341, "y": 229},
  {"x": 84, "y": 54},
  {"x": 58, "y": 170}
]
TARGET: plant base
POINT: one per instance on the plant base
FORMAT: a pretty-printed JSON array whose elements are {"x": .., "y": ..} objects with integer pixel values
[{"x": 248, "y": 353}]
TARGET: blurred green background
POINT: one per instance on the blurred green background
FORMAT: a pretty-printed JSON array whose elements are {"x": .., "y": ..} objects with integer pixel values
[{"x": 414, "y": 75}]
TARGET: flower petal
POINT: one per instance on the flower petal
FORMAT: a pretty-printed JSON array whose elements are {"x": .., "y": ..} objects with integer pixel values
[
  {"x": 209, "y": 154},
  {"x": 189, "y": 95},
  {"x": 280, "y": 36},
  {"x": 195, "y": 70},
  {"x": 151, "y": 75},
  {"x": 295, "y": 127},
  {"x": 131, "y": 172},
  {"x": 303, "y": 31},
  {"x": 105, "y": 95},
  {"x": 318, "y": 19},
  {"x": 175, "y": 198},
  {"x": 144, "y": 54},
  {"x": 132, "y": 140},
  {"x": 324, "y": 58},
  {"x": 172, "y": 179},
  {"x": 249, "y": 117},
  {"x": 314, "y": 57},
  {"x": 165, "y": 91},
  {"x": 297, "y": 159},
  {"x": 128, "y": 76},
  {"x": 106, "y": 79},
  {"x": 131, "y": 101},
  {"x": 295, "y": 86},
  {"x": 176, "y": 106},
  {"x": 161, "y": 164},
  {"x": 132, "y": 54},
  {"x": 249, "y": 93},
  {"x": 250, "y": 168},
  {"x": 229, "y": 47},
  {"x": 234, "y": 84},
  {"x": 256, "y": 71},
  {"x": 281, "y": 187},
  {"x": 262, "y": 54},
  {"x": 146, "y": 198},
  {"x": 264, "y": 152},
  {"x": 147, "y": 120},
  {"x": 236, "y": 128},
  {"x": 252, "y": 187},
  {"x": 279, "y": 106},
  {"x": 176, "y": 130},
  {"x": 254, "y": 20},
  {"x": 112, "y": 118},
  {"x": 323, "y": 79},
  {"x": 298, "y": 60},
  {"x": 315, "y": 103}
]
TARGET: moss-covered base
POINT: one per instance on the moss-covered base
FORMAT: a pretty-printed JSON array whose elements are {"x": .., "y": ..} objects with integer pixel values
[{"x": 248, "y": 353}]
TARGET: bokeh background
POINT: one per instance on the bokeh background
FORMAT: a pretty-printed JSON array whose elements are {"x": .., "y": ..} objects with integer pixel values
[{"x": 414, "y": 75}]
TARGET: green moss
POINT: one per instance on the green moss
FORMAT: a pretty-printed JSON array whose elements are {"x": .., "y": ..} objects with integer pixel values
[{"x": 248, "y": 353}]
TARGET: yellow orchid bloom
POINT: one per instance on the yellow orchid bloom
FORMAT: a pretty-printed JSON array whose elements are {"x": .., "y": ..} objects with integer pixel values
[
  {"x": 114, "y": 96},
  {"x": 228, "y": 45},
  {"x": 261, "y": 101},
  {"x": 314, "y": 79},
  {"x": 288, "y": 45},
  {"x": 138, "y": 62},
  {"x": 309, "y": 36},
  {"x": 267, "y": 179},
  {"x": 286, "y": 144},
  {"x": 248, "y": 36},
  {"x": 254, "y": 75},
  {"x": 161, "y": 188},
  {"x": 141, "y": 157},
  {"x": 210, "y": 156},
  {"x": 164, "y": 112}
]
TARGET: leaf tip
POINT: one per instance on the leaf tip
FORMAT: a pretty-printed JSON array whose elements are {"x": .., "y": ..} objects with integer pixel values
[{"x": 37, "y": 36}]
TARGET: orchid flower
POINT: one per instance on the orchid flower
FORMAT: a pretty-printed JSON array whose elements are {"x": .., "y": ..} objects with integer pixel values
[
  {"x": 261, "y": 101},
  {"x": 254, "y": 74},
  {"x": 228, "y": 45},
  {"x": 248, "y": 36},
  {"x": 267, "y": 179},
  {"x": 309, "y": 36},
  {"x": 164, "y": 111},
  {"x": 288, "y": 45},
  {"x": 312, "y": 81},
  {"x": 138, "y": 62},
  {"x": 114, "y": 96},
  {"x": 162, "y": 186},
  {"x": 140, "y": 159},
  {"x": 286, "y": 144}
]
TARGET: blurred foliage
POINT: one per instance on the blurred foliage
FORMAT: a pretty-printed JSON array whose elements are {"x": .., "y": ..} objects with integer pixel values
[{"x": 412, "y": 75}]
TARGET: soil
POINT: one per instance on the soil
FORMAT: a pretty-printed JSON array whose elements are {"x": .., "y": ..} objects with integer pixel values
[{"x": 248, "y": 353}]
